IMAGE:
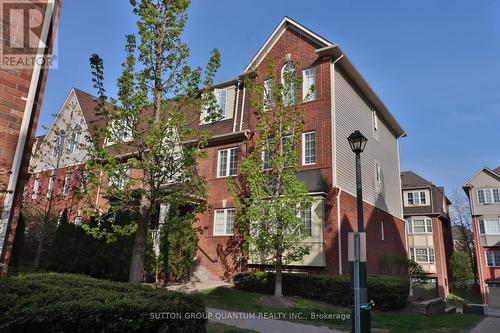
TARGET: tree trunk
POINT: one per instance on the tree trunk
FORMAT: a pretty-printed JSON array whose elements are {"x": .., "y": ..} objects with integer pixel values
[
  {"x": 40, "y": 247},
  {"x": 138, "y": 251},
  {"x": 278, "y": 286}
]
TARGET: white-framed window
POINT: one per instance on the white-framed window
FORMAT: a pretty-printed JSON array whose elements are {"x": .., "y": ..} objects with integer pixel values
[
  {"x": 74, "y": 145},
  {"x": 85, "y": 177},
  {"x": 288, "y": 81},
  {"x": 493, "y": 258},
  {"x": 36, "y": 188},
  {"x": 309, "y": 84},
  {"x": 227, "y": 162},
  {"x": 420, "y": 226},
  {"x": 422, "y": 255},
  {"x": 268, "y": 94},
  {"x": 488, "y": 195},
  {"x": 78, "y": 220},
  {"x": 67, "y": 183},
  {"x": 382, "y": 231},
  {"x": 224, "y": 222},
  {"x": 375, "y": 123},
  {"x": 50, "y": 188},
  {"x": 489, "y": 226},
  {"x": 378, "y": 173},
  {"x": 221, "y": 98},
  {"x": 306, "y": 219},
  {"x": 120, "y": 130},
  {"x": 309, "y": 148},
  {"x": 266, "y": 155},
  {"x": 119, "y": 178},
  {"x": 417, "y": 198},
  {"x": 59, "y": 144}
]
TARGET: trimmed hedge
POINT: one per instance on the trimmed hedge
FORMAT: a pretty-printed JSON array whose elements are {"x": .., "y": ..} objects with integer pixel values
[
  {"x": 54, "y": 302},
  {"x": 387, "y": 292}
]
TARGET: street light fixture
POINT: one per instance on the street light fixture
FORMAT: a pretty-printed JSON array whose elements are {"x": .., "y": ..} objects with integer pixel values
[{"x": 357, "y": 141}]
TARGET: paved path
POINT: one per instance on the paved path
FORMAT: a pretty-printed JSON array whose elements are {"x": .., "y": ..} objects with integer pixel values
[
  {"x": 247, "y": 321},
  {"x": 200, "y": 279},
  {"x": 487, "y": 325}
]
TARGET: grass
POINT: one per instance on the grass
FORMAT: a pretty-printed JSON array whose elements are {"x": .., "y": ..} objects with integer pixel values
[
  {"x": 464, "y": 295},
  {"x": 221, "y": 328},
  {"x": 392, "y": 322}
]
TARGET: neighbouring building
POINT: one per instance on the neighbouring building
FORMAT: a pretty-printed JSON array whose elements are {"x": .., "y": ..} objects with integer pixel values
[
  {"x": 428, "y": 229},
  {"x": 483, "y": 190},
  {"x": 459, "y": 241},
  {"x": 341, "y": 103},
  {"x": 22, "y": 84}
]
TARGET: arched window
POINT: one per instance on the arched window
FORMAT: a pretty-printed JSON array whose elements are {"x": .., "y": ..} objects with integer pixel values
[
  {"x": 59, "y": 143},
  {"x": 74, "y": 145},
  {"x": 288, "y": 81}
]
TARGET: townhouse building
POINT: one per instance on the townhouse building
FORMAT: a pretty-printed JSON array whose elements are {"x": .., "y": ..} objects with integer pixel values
[
  {"x": 342, "y": 102},
  {"x": 483, "y": 190},
  {"x": 429, "y": 232},
  {"x": 23, "y": 74}
]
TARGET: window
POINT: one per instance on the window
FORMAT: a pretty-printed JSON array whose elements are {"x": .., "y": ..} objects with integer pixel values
[
  {"x": 488, "y": 195},
  {"x": 378, "y": 173},
  {"x": 288, "y": 78},
  {"x": 67, "y": 183},
  {"x": 423, "y": 255},
  {"x": 382, "y": 231},
  {"x": 309, "y": 84},
  {"x": 268, "y": 94},
  {"x": 489, "y": 227},
  {"x": 50, "y": 188},
  {"x": 308, "y": 148},
  {"x": 74, "y": 145},
  {"x": 78, "y": 220},
  {"x": 493, "y": 258},
  {"x": 224, "y": 222},
  {"x": 85, "y": 178},
  {"x": 221, "y": 97},
  {"x": 59, "y": 144},
  {"x": 419, "y": 226},
  {"x": 119, "y": 178},
  {"x": 120, "y": 131},
  {"x": 266, "y": 155},
  {"x": 417, "y": 198},
  {"x": 375, "y": 123},
  {"x": 306, "y": 219},
  {"x": 36, "y": 188},
  {"x": 227, "y": 162}
]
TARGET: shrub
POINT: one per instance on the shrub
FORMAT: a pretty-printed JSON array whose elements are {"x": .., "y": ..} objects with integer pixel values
[
  {"x": 386, "y": 291},
  {"x": 53, "y": 302}
]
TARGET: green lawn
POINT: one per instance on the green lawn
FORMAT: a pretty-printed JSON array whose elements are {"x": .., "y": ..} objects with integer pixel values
[
  {"x": 230, "y": 299},
  {"x": 468, "y": 295},
  {"x": 221, "y": 328}
]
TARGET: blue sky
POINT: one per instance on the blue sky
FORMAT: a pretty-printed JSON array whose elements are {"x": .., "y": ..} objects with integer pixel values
[{"x": 435, "y": 64}]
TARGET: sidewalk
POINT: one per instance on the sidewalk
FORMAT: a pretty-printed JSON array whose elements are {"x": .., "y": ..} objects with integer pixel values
[
  {"x": 487, "y": 325},
  {"x": 244, "y": 320}
]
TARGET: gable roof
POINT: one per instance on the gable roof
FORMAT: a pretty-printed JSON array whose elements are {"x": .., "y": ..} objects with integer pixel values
[
  {"x": 286, "y": 23},
  {"x": 88, "y": 105},
  {"x": 497, "y": 170},
  {"x": 495, "y": 173},
  {"x": 410, "y": 179}
]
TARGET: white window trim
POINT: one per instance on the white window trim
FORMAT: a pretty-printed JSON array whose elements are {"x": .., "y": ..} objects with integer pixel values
[
  {"x": 375, "y": 124},
  {"x": 486, "y": 257},
  {"x": 306, "y": 90},
  {"x": 378, "y": 174},
  {"x": 411, "y": 226},
  {"x": 487, "y": 219},
  {"x": 490, "y": 190},
  {"x": 74, "y": 145},
  {"x": 36, "y": 188},
  {"x": 228, "y": 162},
  {"x": 382, "y": 231},
  {"x": 225, "y": 210},
  {"x": 428, "y": 261},
  {"x": 427, "y": 198},
  {"x": 51, "y": 185},
  {"x": 67, "y": 183},
  {"x": 308, "y": 237},
  {"x": 304, "y": 148},
  {"x": 224, "y": 111}
]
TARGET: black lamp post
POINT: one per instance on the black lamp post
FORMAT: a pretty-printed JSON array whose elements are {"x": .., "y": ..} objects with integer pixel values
[{"x": 361, "y": 322}]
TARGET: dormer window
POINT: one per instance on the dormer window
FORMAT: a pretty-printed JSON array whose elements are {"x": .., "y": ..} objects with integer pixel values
[
  {"x": 221, "y": 97},
  {"x": 74, "y": 145},
  {"x": 417, "y": 198},
  {"x": 59, "y": 144},
  {"x": 211, "y": 109},
  {"x": 120, "y": 131}
]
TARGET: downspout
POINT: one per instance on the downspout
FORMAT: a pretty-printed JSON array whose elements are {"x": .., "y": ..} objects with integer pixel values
[
  {"x": 242, "y": 108},
  {"x": 23, "y": 132},
  {"x": 334, "y": 159},
  {"x": 236, "y": 106}
]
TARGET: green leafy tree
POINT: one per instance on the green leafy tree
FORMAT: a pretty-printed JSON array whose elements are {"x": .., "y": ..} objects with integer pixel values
[
  {"x": 160, "y": 96},
  {"x": 270, "y": 198},
  {"x": 461, "y": 268}
]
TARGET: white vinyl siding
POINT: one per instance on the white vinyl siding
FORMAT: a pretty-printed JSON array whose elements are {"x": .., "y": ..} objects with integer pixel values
[
  {"x": 422, "y": 255},
  {"x": 224, "y": 222},
  {"x": 493, "y": 258},
  {"x": 420, "y": 226},
  {"x": 353, "y": 113},
  {"x": 489, "y": 226},
  {"x": 309, "y": 84},
  {"x": 227, "y": 162},
  {"x": 309, "y": 148},
  {"x": 488, "y": 195}
]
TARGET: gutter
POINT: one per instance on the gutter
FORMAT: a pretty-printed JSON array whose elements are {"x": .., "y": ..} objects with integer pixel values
[{"x": 25, "y": 126}]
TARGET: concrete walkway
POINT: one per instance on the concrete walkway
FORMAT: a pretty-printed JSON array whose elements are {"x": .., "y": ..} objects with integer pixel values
[
  {"x": 253, "y": 322},
  {"x": 487, "y": 325},
  {"x": 201, "y": 279}
]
